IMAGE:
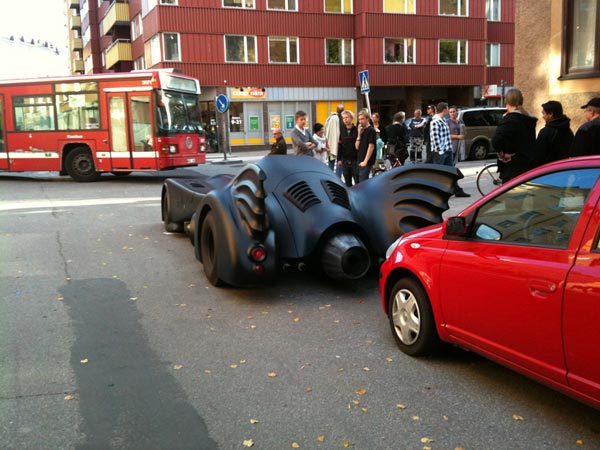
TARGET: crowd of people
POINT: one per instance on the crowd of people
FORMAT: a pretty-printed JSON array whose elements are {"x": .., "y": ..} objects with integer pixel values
[{"x": 437, "y": 137}]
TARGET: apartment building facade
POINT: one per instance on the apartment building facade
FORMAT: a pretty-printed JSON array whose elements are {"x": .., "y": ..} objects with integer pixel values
[
  {"x": 557, "y": 54},
  {"x": 274, "y": 57}
]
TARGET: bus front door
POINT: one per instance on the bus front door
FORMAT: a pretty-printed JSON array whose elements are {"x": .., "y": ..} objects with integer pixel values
[
  {"x": 4, "y": 163},
  {"x": 130, "y": 127}
]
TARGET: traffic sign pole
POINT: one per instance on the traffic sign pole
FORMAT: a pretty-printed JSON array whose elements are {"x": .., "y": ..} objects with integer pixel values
[{"x": 365, "y": 87}]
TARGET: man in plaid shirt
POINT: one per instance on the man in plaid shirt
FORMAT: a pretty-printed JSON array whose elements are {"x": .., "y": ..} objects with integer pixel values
[{"x": 441, "y": 144}]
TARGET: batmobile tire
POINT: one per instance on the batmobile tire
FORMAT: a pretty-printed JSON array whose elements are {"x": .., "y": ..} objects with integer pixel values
[
  {"x": 411, "y": 318},
  {"x": 345, "y": 257},
  {"x": 170, "y": 226},
  {"x": 80, "y": 165},
  {"x": 209, "y": 249}
]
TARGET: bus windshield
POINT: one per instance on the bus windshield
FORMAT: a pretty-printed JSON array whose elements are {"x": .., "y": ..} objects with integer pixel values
[{"x": 178, "y": 113}]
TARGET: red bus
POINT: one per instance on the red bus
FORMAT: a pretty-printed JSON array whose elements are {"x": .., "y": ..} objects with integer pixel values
[{"x": 90, "y": 124}]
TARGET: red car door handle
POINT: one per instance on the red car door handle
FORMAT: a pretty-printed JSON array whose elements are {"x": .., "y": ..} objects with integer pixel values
[{"x": 542, "y": 287}]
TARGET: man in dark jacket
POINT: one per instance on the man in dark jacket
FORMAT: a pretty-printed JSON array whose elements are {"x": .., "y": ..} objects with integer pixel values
[
  {"x": 279, "y": 147},
  {"x": 587, "y": 138},
  {"x": 554, "y": 140},
  {"x": 514, "y": 139}
]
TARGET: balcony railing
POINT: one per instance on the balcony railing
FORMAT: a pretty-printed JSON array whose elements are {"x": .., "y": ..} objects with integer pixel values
[
  {"x": 117, "y": 15},
  {"x": 74, "y": 4},
  {"x": 119, "y": 50},
  {"x": 76, "y": 44},
  {"x": 77, "y": 66},
  {"x": 75, "y": 22}
]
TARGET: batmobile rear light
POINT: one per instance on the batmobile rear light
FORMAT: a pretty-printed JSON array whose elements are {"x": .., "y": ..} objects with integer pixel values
[
  {"x": 257, "y": 253},
  {"x": 258, "y": 269}
]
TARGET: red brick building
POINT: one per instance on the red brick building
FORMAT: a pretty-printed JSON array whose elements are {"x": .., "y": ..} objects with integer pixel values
[{"x": 273, "y": 57}]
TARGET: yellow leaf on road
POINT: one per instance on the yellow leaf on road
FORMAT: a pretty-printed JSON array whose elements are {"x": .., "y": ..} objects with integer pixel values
[
  {"x": 295, "y": 445},
  {"x": 296, "y": 319},
  {"x": 389, "y": 359},
  {"x": 84, "y": 361},
  {"x": 272, "y": 374},
  {"x": 321, "y": 439},
  {"x": 361, "y": 391},
  {"x": 346, "y": 444},
  {"x": 69, "y": 397},
  {"x": 178, "y": 367},
  {"x": 400, "y": 406},
  {"x": 253, "y": 421},
  {"x": 579, "y": 441},
  {"x": 426, "y": 440},
  {"x": 517, "y": 417},
  {"x": 233, "y": 366},
  {"x": 248, "y": 443}
]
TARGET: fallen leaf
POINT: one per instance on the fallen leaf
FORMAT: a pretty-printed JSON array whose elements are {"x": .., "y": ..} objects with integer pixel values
[
  {"x": 361, "y": 391},
  {"x": 253, "y": 326},
  {"x": 341, "y": 369},
  {"x": 415, "y": 418},
  {"x": 290, "y": 311},
  {"x": 355, "y": 322},
  {"x": 295, "y": 445},
  {"x": 253, "y": 421},
  {"x": 389, "y": 359},
  {"x": 248, "y": 443},
  {"x": 250, "y": 317},
  {"x": 400, "y": 406},
  {"x": 182, "y": 305},
  {"x": 321, "y": 439},
  {"x": 366, "y": 369},
  {"x": 364, "y": 410},
  {"x": 69, "y": 397},
  {"x": 426, "y": 440},
  {"x": 178, "y": 367},
  {"x": 207, "y": 371},
  {"x": 60, "y": 299},
  {"x": 579, "y": 441},
  {"x": 445, "y": 418},
  {"x": 356, "y": 402},
  {"x": 517, "y": 417},
  {"x": 336, "y": 321},
  {"x": 84, "y": 361},
  {"x": 233, "y": 366},
  {"x": 192, "y": 285},
  {"x": 243, "y": 361},
  {"x": 133, "y": 299},
  {"x": 296, "y": 319},
  {"x": 308, "y": 389},
  {"x": 272, "y": 374},
  {"x": 346, "y": 444}
]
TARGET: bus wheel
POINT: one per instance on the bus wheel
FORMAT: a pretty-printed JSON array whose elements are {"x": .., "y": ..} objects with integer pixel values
[{"x": 80, "y": 165}]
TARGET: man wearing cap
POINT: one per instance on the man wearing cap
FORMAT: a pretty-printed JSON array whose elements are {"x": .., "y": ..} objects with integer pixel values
[{"x": 587, "y": 138}]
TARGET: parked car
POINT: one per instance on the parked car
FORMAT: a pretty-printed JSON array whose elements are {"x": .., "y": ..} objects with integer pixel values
[
  {"x": 480, "y": 125},
  {"x": 292, "y": 212},
  {"x": 514, "y": 277}
]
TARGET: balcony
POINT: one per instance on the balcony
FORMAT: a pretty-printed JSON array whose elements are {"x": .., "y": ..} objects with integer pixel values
[
  {"x": 75, "y": 22},
  {"x": 117, "y": 15},
  {"x": 74, "y": 4},
  {"x": 118, "y": 51},
  {"x": 76, "y": 44},
  {"x": 77, "y": 66}
]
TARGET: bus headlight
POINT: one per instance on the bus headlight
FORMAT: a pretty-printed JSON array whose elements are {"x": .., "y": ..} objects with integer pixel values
[{"x": 172, "y": 148}]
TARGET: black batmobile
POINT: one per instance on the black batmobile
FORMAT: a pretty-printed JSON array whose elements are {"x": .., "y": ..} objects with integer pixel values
[{"x": 292, "y": 212}]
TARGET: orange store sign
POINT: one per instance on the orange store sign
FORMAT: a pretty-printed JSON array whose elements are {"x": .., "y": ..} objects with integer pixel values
[{"x": 246, "y": 93}]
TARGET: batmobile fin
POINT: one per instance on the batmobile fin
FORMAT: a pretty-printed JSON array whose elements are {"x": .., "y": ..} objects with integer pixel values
[
  {"x": 249, "y": 195},
  {"x": 402, "y": 200}
]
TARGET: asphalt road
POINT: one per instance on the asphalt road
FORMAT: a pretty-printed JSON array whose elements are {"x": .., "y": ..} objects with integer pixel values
[{"x": 111, "y": 338}]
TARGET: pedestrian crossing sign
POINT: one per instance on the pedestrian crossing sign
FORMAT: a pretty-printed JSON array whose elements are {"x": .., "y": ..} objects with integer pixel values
[{"x": 363, "y": 80}]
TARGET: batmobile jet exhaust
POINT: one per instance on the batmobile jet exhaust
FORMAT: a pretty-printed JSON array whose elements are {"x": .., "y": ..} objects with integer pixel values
[{"x": 345, "y": 257}]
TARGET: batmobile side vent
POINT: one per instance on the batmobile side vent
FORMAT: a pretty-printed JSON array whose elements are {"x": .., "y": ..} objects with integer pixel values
[
  {"x": 249, "y": 200},
  {"x": 302, "y": 196},
  {"x": 337, "y": 193}
]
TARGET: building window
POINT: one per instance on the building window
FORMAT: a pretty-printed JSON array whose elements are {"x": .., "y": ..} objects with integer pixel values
[
  {"x": 100, "y": 3},
  {"x": 288, "y": 5},
  {"x": 339, "y": 51},
  {"x": 249, "y": 4},
  {"x": 399, "y": 6},
  {"x": 139, "y": 63},
  {"x": 492, "y": 10},
  {"x": 147, "y": 6},
  {"x": 152, "y": 51},
  {"x": 171, "y": 47},
  {"x": 454, "y": 7},
  {"x": 88, "y": 65},
  {"x": 240, "y": 49},
  {"x": 399, "y": 51},
  {"x": 86, "y": 36},
  {"x": 453, "y": 51},
  {"x": 338, "y": 6},
  {"x": 137, "y": 28},
  {"x": 581, "y": 49},
  {"x": 492, "y": 55},
  {"x": 168, "y": 2},
  {"x": 283, "y": 50}
]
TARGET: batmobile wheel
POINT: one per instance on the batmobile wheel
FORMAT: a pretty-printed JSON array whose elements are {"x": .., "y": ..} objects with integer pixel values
[
  {"x": 80, "y": 165},
  {"x": 170, "y": 226},
  {"x": 411, "y": 318},
  {"x": 209, "y": 249}
]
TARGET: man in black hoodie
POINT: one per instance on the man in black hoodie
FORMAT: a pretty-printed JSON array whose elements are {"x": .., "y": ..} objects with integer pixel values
[
  {"x": 554, "y": 140},
  {"x": 514, "y": 139}
]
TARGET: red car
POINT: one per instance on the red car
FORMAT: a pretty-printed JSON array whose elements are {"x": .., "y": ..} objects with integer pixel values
[{"x": 514, "y": 277}]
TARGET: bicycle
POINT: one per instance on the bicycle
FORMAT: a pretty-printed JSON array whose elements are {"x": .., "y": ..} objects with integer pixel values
[{"x": 488, "y": 178}]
